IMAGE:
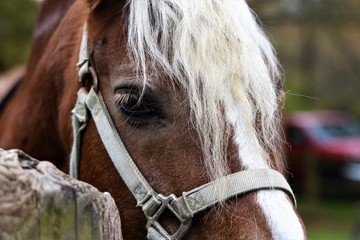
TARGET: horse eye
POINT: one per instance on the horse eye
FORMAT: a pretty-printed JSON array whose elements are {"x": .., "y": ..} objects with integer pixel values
[{"x": 137, "y": 107}]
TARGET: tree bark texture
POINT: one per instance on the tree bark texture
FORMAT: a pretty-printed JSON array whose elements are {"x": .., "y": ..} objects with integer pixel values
[{"x": 38, "y": 201}]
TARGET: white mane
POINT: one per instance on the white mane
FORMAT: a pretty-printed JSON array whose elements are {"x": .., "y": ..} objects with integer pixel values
[{"x": 217, "y": 53}]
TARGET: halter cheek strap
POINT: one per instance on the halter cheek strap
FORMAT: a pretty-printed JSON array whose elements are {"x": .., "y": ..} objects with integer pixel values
[{"x": 152, "y": 203}]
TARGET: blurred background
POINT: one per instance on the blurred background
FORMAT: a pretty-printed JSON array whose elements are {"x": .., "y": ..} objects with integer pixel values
[
  {"x": 17, "y": 18},
  {"x": 318, "y": 44}
]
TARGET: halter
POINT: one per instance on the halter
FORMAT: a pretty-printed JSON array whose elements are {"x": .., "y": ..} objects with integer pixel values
[{"x": 153, "y": 204}]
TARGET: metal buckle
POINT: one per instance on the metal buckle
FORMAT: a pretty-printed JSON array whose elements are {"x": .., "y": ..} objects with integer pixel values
[{"x": 156, "y": 231}]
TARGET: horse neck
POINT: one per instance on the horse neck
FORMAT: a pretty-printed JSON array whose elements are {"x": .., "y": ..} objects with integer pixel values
[
  {"x": 37, "y": 119},
  {"x": 50, "y": 15}
]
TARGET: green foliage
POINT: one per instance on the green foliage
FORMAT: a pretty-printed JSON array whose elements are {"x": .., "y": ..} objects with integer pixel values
[
  {"x": 329, "y": 220},
  {"x": 319, "y": 48},
  {"x": 17, "y": 18}
]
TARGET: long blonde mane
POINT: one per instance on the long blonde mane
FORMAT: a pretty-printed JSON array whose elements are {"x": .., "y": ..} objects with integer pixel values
[{"x": 217, "y": 53}]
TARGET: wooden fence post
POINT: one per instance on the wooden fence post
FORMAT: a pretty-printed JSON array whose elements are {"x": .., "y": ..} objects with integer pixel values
[{"x": 38, "y": 201}]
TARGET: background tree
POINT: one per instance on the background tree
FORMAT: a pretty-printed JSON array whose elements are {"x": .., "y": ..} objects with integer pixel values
[
  {"x": 319, "y": 48},
  {"x": 17, "y": 18}
]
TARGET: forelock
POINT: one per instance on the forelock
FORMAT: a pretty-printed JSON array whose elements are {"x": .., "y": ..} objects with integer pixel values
[{"x": 220, "y": 57}]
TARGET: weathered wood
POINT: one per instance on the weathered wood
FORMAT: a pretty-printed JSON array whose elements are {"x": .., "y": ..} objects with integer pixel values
[{"x": 38, "y": 201}]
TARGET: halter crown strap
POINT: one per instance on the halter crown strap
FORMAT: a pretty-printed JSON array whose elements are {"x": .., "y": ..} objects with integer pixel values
[
  {"x": 152, "y": 203},
  {"x": 84, "y": 59}
]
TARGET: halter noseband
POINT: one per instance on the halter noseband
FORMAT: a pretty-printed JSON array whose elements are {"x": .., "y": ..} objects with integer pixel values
[{"x": 152, "y": 203}]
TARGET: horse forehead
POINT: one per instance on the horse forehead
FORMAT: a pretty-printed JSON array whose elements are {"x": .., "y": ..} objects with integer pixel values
[{"x": 123, "y": 69}]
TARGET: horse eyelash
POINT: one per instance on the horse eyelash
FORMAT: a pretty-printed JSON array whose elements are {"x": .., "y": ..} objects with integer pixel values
[
  {"x": 135, "y": 105},
  {"x": 125, "y": 98}
]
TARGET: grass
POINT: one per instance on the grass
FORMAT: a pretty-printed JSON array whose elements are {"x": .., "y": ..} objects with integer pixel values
[{"x": 330, "y": 220}]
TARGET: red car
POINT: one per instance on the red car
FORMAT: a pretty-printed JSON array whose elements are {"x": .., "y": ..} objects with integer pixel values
[{"x": 326, "y": 144}]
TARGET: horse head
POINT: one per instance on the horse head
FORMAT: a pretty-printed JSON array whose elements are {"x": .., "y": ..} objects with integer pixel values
[
  {"x": 189, "y": 92},
  {"x": 193, "y": 89}
]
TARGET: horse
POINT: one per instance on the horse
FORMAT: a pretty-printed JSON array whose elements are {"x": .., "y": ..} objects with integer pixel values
[{"x": 176, "y": 115}]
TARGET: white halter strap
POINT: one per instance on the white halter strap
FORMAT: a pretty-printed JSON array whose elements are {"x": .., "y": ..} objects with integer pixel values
[{"x": 153, "y": 204}]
